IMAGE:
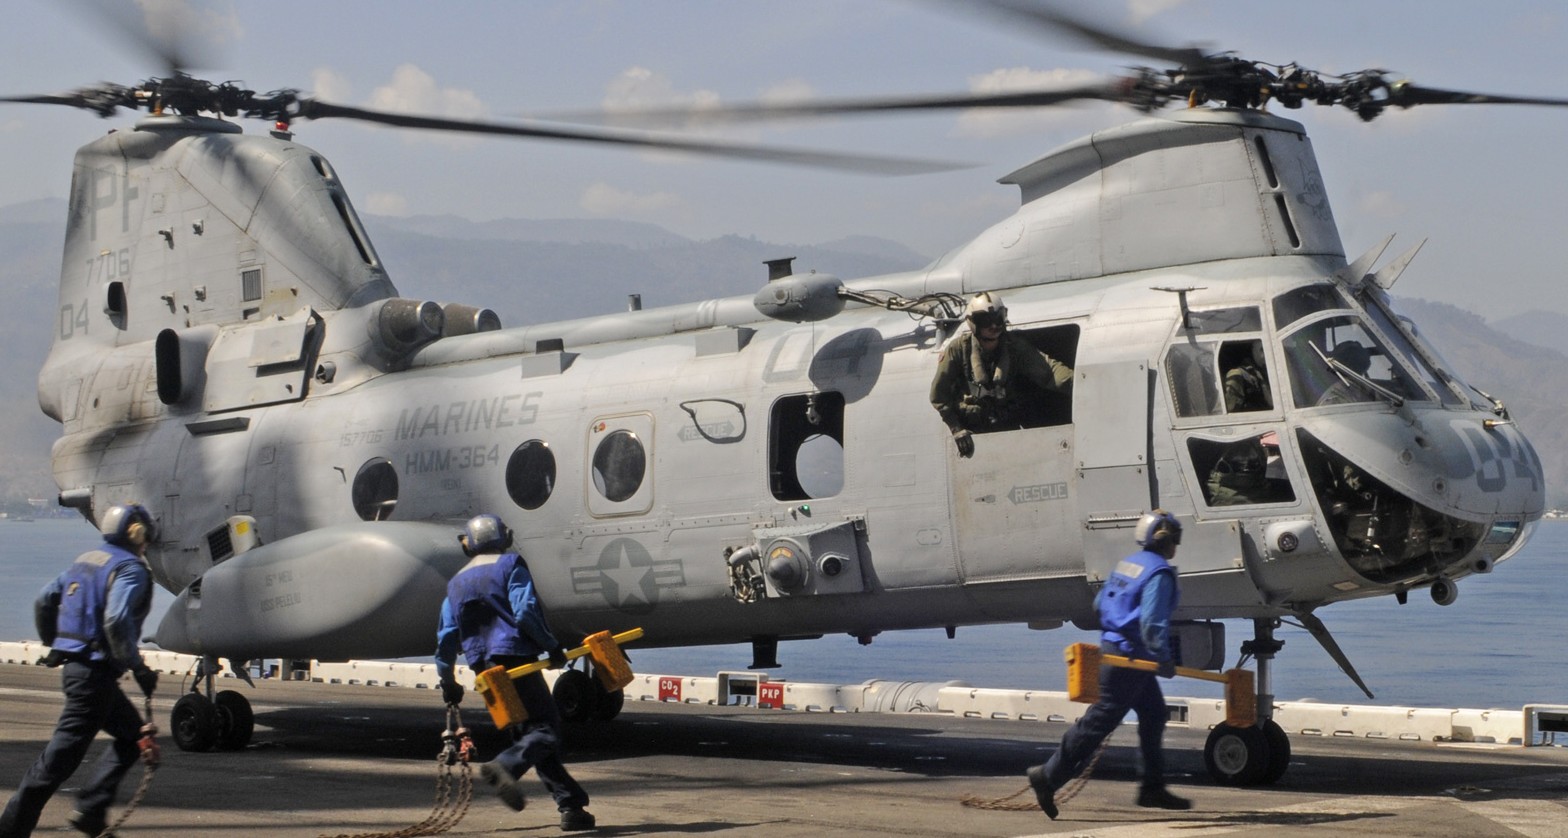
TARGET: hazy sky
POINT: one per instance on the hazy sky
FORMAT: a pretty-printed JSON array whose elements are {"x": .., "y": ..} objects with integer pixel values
[{"x": 1485, "y": 184}]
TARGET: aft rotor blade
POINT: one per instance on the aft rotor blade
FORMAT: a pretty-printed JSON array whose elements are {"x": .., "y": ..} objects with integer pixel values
[
  {"x": 1405, "y": 94},
  {"x": 865, "y": 164},
  {"x": 1110, "y": 90}
]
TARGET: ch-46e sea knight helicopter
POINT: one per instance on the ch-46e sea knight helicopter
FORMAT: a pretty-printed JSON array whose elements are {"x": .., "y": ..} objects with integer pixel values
[{"x": 232, "y": 353}]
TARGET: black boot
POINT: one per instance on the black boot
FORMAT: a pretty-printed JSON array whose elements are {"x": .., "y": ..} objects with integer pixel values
[
  {"x": 1043, "y": 793},
  {"x": 1159, "y": 797}
]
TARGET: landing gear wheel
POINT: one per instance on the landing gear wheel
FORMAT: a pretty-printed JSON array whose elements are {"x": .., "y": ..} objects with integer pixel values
[
  {"x": 194, "y": 723},
  {"x": 607, "y": 704},
  {"x": 236, "y": 721},
  {"x": 1236, "y": 756},
  {"x": 1279, "y": 753},
  {"x": 575, "y": 696}
]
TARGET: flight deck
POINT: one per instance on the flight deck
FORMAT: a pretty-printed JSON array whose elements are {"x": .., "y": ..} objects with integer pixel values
[{"x": 331, "y": 759}]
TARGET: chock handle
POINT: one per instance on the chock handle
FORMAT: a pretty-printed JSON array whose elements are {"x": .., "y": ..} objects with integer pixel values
[{"x": 572, "y": 654}]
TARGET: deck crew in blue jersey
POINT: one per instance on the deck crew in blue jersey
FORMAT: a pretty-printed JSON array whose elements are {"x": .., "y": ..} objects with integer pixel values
[
  {"x": 91, "y": 616},
  {"x": 1135, "y": 614},
  {"x": 493, "y": 613}
]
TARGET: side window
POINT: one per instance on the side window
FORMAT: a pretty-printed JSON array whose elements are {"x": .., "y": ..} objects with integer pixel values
[
  {"x": 1189, "y": 369},
  {"x": 806, "y": 446},
  {"x": 620, "y": 461},
  {"x": 530, "y": 474},
  {"x": 1244, "y": 373},
  {"x": 1208, "y": 379},
  {"x": 374, "y": 492},
  {"x": 1238, "y": 472}
]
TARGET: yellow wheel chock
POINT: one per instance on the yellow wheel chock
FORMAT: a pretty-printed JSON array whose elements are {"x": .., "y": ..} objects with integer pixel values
[
  {"x": 1083, "y": 681},
  {"x": 500, "y": 695}
]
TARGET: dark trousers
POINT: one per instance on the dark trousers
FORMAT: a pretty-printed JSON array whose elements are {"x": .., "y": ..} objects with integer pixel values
[
  {"x": 1121, "y": 690},
  {"x": 536, "y": 744},
  {"x": 93, "y": 702}
]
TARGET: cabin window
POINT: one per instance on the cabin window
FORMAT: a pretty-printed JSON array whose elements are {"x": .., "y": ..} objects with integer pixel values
[
  {"x": 375, "y": 490},
  {"x": 530, "y": 474},
  {"x": 1238, "y": 319},
  {"x": 1241, "y": 472},
  {"x": 806, "y": 446},
  {"x": 619, "y": 464}
]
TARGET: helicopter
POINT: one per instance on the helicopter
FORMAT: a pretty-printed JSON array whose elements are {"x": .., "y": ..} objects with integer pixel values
[{"x": 232, "y": 353}]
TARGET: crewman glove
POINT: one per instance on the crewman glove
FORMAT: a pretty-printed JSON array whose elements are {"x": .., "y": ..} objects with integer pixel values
[
  {"x": 965, "y": 442},
  {"x": 1167, "y": 669},
  {"x": 146, "y": 678},
  {"x": 451, "y": 692},
  {"x": 558, "y": 657}
]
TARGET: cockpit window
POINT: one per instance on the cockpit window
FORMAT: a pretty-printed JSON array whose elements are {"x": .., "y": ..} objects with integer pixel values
[
  {"x": 1306, "y": 300},
  {"x": 1337, "y": 360},
  {"x": 1208, "y": 378},
  {"x": 1437, "y": 380},
  {"x": 1241, "y": 319},
  {"x": 1241, "y": 472}
]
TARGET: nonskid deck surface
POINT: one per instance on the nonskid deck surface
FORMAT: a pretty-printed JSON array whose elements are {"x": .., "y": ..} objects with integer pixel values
[{"x": 330, "y": 759}]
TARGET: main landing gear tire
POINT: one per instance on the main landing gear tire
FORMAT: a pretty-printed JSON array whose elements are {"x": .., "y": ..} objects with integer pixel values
[
  {"x": 235, "y": 720},
  {"x": 194, "y": 723},
  {"x": 582, "y": 698},
  {"x": 575, "y": 696},
  {"x": 1239, "y": 756}
]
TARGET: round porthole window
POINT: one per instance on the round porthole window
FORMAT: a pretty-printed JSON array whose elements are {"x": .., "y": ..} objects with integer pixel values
[
  {"x": 375, "y": 490},
  {"x": 530, "y": 474},
  {"x": 619, "y": 464}
]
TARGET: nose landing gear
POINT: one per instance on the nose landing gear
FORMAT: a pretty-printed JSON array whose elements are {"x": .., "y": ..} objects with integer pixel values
[{"x": 1257, "y": 754}]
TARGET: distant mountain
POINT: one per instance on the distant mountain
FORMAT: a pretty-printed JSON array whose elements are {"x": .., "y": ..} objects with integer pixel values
[
  {"x": 1542, "y": 328},
  {"x": 539, "y": 230}
]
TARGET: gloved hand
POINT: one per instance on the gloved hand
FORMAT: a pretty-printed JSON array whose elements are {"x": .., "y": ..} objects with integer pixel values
[
  {"x": 146, "y": 678},
  {"x": 1167, "y": 669},
  {"x": 451, "y": 692},
  {"x": 558, "y": 657},
  {"x": 965, "y": 442}
]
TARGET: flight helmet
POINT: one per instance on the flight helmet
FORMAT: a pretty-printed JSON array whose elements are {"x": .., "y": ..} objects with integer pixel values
[
  {"x": 128, "y": 525},
  {"x": 986, "y": 309},
  {"x": 1157, "y": 530},
  {"x": 485, "y": 534},
  {"x": 1353, "y": 355}
]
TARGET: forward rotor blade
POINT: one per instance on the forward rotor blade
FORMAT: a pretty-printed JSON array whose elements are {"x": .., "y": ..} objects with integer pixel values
[
  {"x": 1111, "y": 90},
  {"x": 865, "y": 164},
  {"x": 1405, "y": 94},
  {"x": 104, "y": 99},
  {"x": 1047, "y": 18}
]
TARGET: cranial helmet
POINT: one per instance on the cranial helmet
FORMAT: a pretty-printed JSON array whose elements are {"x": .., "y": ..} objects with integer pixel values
[
  {"x": 1157, "y": 530},
  {"x": 986, "y": 309},
  {"x": 1353, "y": 355},
  {"x": 485, "y": 534},
  {"x": 128, "y": 525}
]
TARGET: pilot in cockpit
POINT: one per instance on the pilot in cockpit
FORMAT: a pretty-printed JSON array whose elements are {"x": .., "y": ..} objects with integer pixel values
[
  {"x": 1246, "y": 377},
  {"x": 1345, "y": 390}
]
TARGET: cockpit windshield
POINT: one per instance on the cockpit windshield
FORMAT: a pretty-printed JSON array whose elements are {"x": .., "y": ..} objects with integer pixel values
[
  {"x": 1338, "y": 360},
  {"x": 1437, "y": 380}
]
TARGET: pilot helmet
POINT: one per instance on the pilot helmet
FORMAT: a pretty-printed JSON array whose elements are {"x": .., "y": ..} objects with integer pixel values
[
  {"x": 485, "y": 534},
  {"x": 128, "y": 525},
  {"x": 986, "y": 309},
  {"x": 1157, "y": 530},
  {"x": 1354, "y": 356},
  {"x": 1245, "y": 458}
]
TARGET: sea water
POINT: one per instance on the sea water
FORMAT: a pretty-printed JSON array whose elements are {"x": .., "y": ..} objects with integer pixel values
[{"x": 1499, "y": 645}]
